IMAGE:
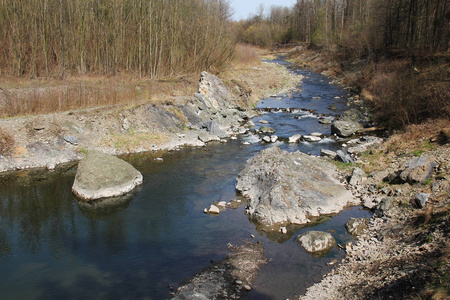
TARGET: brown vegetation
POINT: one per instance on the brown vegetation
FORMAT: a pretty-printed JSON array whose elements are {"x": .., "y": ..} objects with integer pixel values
[{"x": 6, "y": 143}]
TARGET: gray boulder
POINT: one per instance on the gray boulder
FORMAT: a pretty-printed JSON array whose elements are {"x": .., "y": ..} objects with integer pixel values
[
  {"x": 421, "y": 199},
  {"x": 213, "y": 128},
  {"x": 343, "y": 157},
  {"x": 101, "y": 175},
  {"x": 418, "y": 169},
  {"x": 292, "y": 188},
  {"x": 328, "y": 153},
  {"x": 344, "y": 128},
  {"x": 352, "y": 115},
  {"x": 358, "y": 176},
  {"x": 316, "y": 242}
]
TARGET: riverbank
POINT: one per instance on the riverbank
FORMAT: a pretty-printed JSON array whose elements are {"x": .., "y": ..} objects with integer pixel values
[
  {"x": 404, "y": 253},
  {"x": 46, "y": 141}
]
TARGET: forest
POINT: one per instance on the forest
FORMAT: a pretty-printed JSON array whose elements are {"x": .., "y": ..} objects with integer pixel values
[
  {"x": 151, "y": 38},
  {"x": 358, "y": 25},
  {"x": 396, "y": 43}
]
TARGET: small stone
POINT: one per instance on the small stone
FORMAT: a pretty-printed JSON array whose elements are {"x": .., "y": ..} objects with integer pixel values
[
  {"x": 283, "y": 230},
  {"x": 263, "y": 122},
  {"x": 205, "y": 210},
  {"x": 239, "y": 282},
  {"x": 222, "y": 204},
  {"x": 159, "y": 159},
  {"x": 247, "y": 287},
  {"x": 273, "y": 138},
  {"x": 310, "y": 138},
  {"x": 245, "y": 143},
  {"x": 266, "y": 139},
  {"x": 214, "y": 210},
  {"x": 421, "y": 199},
  {"x": 252, "y": 236},
  {"x": 71, "y": 140}
]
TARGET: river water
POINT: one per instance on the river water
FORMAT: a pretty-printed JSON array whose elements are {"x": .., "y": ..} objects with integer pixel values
[{"x": 52, "y": 247}]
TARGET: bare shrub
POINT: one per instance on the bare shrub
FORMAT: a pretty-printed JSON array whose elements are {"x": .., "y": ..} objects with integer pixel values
[
  {"x": 405, "y": 95},
  {"x": 6, "y": 143}
]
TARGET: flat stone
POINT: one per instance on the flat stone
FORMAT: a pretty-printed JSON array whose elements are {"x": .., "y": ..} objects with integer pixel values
[
  {"x": 310, "y": 138},
  {"x": 327, "y": 153}
]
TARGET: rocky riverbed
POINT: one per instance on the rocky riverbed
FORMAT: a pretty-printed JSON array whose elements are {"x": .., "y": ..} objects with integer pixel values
[{"x": 404, "y": 253}]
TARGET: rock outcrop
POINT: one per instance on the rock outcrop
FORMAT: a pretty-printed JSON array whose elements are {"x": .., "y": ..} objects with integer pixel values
[
  {"x": 101, "y": 175},
  {"x": 291, "y": 187}
]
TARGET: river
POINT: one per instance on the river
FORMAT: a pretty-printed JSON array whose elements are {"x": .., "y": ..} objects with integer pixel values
[{"x": 52, "y": 247}]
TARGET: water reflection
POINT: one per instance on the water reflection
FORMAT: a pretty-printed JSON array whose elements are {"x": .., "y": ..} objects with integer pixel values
[{"x": 53, "y": 247}]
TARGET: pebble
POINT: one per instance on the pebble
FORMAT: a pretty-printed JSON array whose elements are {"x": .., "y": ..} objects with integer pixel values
[{"x": 247, "y": 287}]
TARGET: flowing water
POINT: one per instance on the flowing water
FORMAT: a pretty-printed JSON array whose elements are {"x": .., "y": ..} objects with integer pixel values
[{"x": 52, "y": 247}]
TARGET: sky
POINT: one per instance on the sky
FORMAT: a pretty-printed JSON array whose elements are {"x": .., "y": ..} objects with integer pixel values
[{"x": 244, "y": 8}]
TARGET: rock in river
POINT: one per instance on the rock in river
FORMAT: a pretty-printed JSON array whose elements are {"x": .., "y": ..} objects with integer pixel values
[
  {"x": 316, "y": 242},
  {"x": 101, "y": 175},
  {"x": 288, "y": 187}
]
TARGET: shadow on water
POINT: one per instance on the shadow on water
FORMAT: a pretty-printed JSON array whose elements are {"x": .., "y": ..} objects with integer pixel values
[{"x": 53, "y": 247}]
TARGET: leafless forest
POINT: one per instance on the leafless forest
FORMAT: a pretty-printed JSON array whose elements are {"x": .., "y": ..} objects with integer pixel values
[{"x": 151, "y": 38}]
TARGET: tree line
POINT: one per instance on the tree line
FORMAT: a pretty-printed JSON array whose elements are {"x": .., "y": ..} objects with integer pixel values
[
  {"x": 152, "y": 38},
  {"x": 359, "y": 25}
]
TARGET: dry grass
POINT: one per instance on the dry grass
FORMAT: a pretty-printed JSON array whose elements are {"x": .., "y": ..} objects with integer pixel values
[
  {"x": 418, "y": 138},
  {"x": 246, "y": 260},
  {"x": 33, "y": 97},
  {"x": 6, "y": 143},
  {"x": 245, "y": 56}
]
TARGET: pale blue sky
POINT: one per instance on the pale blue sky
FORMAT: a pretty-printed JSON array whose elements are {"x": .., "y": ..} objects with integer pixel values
[{"x": 243, "y": 8}]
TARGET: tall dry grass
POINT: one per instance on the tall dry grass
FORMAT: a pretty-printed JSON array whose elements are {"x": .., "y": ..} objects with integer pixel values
[{"x": 32, "y": 97}]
